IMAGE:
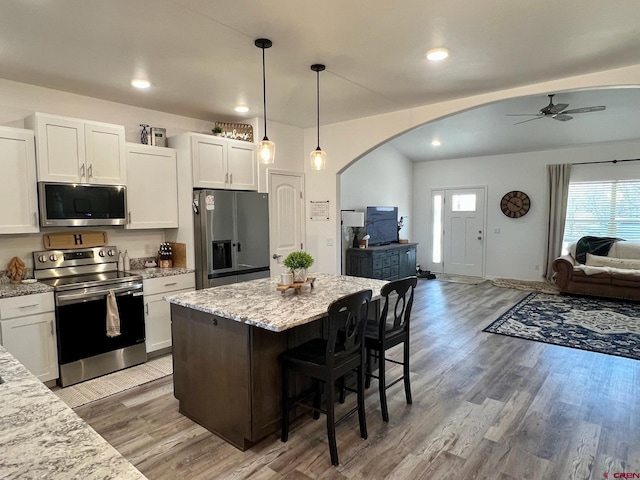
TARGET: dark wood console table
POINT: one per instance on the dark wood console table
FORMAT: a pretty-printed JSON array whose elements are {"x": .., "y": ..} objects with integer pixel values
[{"x": 386, "y": 262}]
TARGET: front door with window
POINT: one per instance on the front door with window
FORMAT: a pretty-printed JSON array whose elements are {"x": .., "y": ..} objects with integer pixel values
[{"x": 458, "y": 231}]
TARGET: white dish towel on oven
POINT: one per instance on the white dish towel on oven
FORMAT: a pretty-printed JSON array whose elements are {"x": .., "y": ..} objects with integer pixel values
[{"x": 113, "y": 318}]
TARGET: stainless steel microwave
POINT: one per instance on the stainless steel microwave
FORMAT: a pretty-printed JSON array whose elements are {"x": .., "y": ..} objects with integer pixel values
[{"x": 77, "y": 204}]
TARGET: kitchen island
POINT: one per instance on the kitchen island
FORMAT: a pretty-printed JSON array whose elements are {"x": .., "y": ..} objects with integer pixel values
[
  {"x": 226, "y": 342},
  {"x": 41, "y": 437}
]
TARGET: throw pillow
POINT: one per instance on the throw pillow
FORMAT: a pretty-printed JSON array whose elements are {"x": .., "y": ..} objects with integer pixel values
[{"x": 600, "y": 261}]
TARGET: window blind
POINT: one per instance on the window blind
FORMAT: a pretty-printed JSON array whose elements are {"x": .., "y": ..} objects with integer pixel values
[{"x": 603, "y": 209}]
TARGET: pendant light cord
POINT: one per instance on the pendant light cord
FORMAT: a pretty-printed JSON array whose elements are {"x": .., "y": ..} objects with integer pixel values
[
  {"x": 264, "y": 95},
  {"x": 318, "y": 105}
]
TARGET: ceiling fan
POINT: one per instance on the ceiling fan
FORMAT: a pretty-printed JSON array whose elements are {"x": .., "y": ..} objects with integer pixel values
[{"x": 557, "y": 112}]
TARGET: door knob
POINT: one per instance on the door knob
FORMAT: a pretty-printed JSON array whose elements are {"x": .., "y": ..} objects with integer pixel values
[{"x": 276, "y": 256}]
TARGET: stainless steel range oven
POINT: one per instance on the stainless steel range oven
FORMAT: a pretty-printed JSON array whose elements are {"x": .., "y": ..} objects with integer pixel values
[{"x": 82, "y": 280}]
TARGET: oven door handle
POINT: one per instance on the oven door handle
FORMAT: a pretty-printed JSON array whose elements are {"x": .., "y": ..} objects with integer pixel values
[{"x": 66, "y": 298}]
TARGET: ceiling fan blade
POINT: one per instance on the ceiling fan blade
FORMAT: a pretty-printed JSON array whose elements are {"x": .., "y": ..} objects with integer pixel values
[
  {"x": 524, "y": 121},
  {"x": 523, "y": 114},
  {"x": 562, "y": 117},
  {"x": 557, "y": 108},
  {"x": 599, "y": 108}
]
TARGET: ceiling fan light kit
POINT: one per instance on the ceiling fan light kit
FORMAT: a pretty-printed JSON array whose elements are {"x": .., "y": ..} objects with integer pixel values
[
  {"x": 556, "y": 111},
  {"x": 266, "y": 148}
]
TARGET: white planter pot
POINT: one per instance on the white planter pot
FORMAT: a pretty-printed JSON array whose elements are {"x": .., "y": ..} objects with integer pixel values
[{"x": 299, "y": 275}]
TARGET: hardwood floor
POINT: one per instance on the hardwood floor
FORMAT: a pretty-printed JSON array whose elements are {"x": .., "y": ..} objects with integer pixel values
[{"x": 485, "y": 406}]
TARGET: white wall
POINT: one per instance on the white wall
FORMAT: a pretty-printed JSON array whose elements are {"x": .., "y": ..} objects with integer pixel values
[
  {"x": 517, "y": 251},
  {"x": 346, "y": 142},
  {"x": 382, "y": 177}
]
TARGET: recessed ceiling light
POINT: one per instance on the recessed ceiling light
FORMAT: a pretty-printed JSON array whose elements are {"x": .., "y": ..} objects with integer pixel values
[
  {"x": 241, "y": 109},
  {"x": 437, "y": 54},
  {"x": 435, "y": 142},
  {"x": 140, "y": 83}
]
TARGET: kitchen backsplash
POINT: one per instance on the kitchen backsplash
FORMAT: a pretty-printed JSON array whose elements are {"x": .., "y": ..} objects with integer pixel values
[{"x": 140, "y": 244}]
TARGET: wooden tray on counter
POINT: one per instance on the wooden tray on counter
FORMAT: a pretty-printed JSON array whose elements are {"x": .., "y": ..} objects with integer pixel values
[{"x": 297, "y": 286}]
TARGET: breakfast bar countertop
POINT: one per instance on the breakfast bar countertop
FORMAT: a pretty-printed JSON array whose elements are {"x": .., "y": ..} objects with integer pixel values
[
  {"x": 259, "y": 303},
  {"x": 41, "y": 437}
]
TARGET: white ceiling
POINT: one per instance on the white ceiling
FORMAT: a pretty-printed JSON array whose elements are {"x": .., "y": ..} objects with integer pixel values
[{"x": 201, "y": 59}]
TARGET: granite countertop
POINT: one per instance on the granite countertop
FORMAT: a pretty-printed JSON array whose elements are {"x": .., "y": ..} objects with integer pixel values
[
  {"x": 160, "y": 272},
  {"x": 41, "y": 437},
  {"x": 258, "y": 303},
  {"x": 17, "y": 289}
]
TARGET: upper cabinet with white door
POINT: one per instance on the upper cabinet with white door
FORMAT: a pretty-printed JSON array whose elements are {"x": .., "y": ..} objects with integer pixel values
[
  {"x": 152, "y": 187},
  {"x": 18, "y": 194},
  {"x": 71, "y": 150},
  {"x": 219, "y": 162}
]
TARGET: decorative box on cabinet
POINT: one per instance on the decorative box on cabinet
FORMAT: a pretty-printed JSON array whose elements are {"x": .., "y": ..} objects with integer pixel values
[
  {"x": 18, "y": 194},
  {"x": 152, "y": 187},
  {"x": 71, "y": 150},
  {"x": 28, "y": 332},
  {"x": 219, "y": 162},
  {"x": 387, "y": 262},
  {"x": 157, "y": 312}
]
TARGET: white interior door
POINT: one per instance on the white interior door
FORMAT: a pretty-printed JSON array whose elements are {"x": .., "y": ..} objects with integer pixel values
[
  {"x": 461, "y": 243},
  {"x": 285, "y": 211}
]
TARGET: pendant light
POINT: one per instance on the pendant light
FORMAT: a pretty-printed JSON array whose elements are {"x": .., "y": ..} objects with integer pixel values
[
  {"x": 266, "y": 148},
  {"x": 318, "y": 157}
]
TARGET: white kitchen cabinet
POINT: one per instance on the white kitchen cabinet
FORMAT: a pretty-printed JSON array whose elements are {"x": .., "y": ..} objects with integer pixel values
[
  {"x": 157, "y": 311},
  {"x": 28, "y": 332},
  {"x": 219, "y": 162},
  {"x": 71, "y": 150},
  {"x": 18, "y": 194},
  {"x": 152, "y": 187}
]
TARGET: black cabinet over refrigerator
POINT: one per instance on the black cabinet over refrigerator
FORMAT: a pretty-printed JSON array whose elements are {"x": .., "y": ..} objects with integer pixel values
[{"x": 231, "y": 231}]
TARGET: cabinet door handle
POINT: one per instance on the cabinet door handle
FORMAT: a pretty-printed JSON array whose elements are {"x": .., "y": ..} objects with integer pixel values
[
  {"x": 90, "y": 170},
  {"x": 82, "y": 170},
  {"x": 226, "y": 178},
  {"x": 51, "y": 328},
  {"x": 35, "y": 219},
  {"x": 146, "y": 309},
  {"x": 231, "y": 178},
  {"x": 29, "y": 306},
  {"x": 169, "y": 284},
  {"x": 129, "y": 217}
]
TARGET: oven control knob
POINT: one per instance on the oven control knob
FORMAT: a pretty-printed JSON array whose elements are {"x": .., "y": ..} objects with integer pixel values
[
  {"x": 53, "y": 257},
  {"x": 101, "y": 253},
  {"x": 42, "y": 258},
  {"x": 111, "y": 253}
]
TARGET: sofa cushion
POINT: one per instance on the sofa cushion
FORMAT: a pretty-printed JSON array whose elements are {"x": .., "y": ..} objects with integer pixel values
[
  {"x": 629, "y": 250},
  {"x": 600, "y": 261},
  {"x": 579, "y": 275}
]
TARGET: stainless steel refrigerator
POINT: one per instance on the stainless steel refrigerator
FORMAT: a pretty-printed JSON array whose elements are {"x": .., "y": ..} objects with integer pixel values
[{"x": 231, "y": 236}]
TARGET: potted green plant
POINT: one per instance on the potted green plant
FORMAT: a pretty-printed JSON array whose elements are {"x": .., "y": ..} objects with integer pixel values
[
  {"x": 217, "y": 130},
  {"x": 298, "y": 263}
]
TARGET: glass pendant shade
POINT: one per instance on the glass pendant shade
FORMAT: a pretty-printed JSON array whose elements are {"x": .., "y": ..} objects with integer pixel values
[
  {"x": 318, "y": 159},
  {"x": 266, "y": 151}
]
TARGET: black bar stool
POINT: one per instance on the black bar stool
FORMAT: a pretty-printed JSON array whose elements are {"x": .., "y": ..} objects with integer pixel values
[
  {"x": 382, "y": 335},
  {"x": 327, "y": 360}
]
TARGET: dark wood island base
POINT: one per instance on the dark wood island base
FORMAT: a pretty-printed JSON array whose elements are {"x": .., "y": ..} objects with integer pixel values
[{"x": 226, "y": 374}]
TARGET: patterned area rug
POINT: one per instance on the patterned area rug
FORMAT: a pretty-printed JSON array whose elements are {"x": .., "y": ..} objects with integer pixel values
[
  {"x": 602, "y": 326},
  {"x": 116, "y": 382}
]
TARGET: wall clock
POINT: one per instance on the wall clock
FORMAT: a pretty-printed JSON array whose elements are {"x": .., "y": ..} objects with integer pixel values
[{"x": 515, "y": 204}]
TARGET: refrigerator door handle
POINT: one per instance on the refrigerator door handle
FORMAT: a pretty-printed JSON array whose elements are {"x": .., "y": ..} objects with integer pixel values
[{"x": 239, "y": 247}]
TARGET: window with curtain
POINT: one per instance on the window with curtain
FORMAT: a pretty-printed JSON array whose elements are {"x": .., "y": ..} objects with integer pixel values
[{"x": 603, "y": 209}]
